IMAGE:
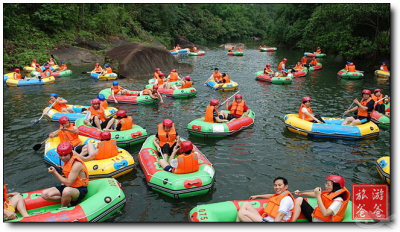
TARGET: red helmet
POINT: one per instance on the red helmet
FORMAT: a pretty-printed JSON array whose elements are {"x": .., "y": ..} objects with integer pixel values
[
  {"x": 37, "y": 65},
  {"x": 63, "y": 120},
  {"x": 95, "y": 101},
  {"x": 367, "y": 91},
  {"x": 161, "y": 74},
  {"x": 186, "y": 146},
  {"x": 187, "y": 78},
  {"x": 377, "y": 90},
  {"x": 97, "y": 64},
  {"x": 46, "y": 67},
  {"x": 173, "y": 70},
  {"x": 158, "y": 69},
  {"x": 121, "y": 113},
  {"x": 155, "y": 86},
  {"x": 351, "y": 64},
  {"x": 34, "y": 60},
  {"x": 167, "y": 122},
  {"x": 214, "y": 102},
  {"x": 238, "y": 96},
  {"x": 306, "y": 99},
  {"x": 17, "y": 70},
  {"x": 267, "y": 65},
  {"x": 105, "y": 135},
  {"x": 284, "y": 59},
  {"x": 64, "y": 148},
  {"x": 336, "y": 179}
]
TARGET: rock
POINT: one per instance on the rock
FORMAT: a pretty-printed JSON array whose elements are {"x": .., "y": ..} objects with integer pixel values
[
  {"x": 116, "y": 41},
  {"x": 236, "y": 45},
  {"x": 89, "y": 44},
  {"x": 185, "y": 43},
  {"x": 75, "y": 55},
  {"x": 136, "y": 59}
]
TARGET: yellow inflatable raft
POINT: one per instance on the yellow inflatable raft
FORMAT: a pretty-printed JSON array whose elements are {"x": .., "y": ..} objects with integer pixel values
[
  {"x": 382, "y": 74},
  {"x": 383, "y": 167}
]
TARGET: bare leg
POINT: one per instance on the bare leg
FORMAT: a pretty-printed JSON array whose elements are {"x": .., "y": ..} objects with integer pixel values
[
  {"x": 97, "y": 122},
  {"x": 355, "y": 123},
  {"x": 247, "y": 213},
  {"x": 51, "y": 194},
  {"x": 297, "y": 208},
  {"x": 19, "y": 204},
  {"x": 347, "y": 121},
  {"x": 68, "y": 195}
]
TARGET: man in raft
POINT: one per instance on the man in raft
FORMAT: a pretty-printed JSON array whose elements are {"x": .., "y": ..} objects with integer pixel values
[
  {"x": 166, "y": 137},
  {"x": 107, "y": 70},
  {"x": 105, "y": 149},
  {"x": 314, "y": 62},
  {"x": 279, "y": 208},
  {"x": 97, "y": 68},
  {"x": 282, "y": 65},
  {"x": 63, "y": 66},
  {"x": 98, "y": 117},
  {"x": 74, "y": 184},
  {"x": 153, "y": 93},
  {"x": 173, "y": 76},
  {"x": 124, "y": 122},
  {"x": 306, "y": 112},
  {"x": 364, "y": 108},
  {"x": 217, "y": 76},
  {"x": 331, "y": 203},
  {"x": 116, "y": 89},
  {"x": 238, "y": 108},
  {"x": 384, "y": 67},
  {"x": 59, "y": 104},
  {"x": 268, "y": 70},
  {"x": 377, "y": 96},
  {"x": 186, "y": 162},
  {"x": 318, "y": 51},
  {"x": 211, "y": 114}
]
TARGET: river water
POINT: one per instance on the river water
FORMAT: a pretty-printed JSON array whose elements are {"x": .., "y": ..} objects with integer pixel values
[{"x": 245, "y": 163}]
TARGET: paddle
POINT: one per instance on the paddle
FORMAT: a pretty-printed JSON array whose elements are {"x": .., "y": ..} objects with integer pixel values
[
  {"x": 34, "y": 124},
  {"x": 228, "y": 99},
  {"x": 54, "y": 59},
  {"x": 39, "y": 145},
  {"x": 348, "y": 109},
  {"x": 86, "y": 72}
]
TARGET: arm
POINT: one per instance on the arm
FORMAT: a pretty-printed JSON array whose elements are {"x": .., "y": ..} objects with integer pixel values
[
  {"x": 73, "y": 130},
  {"x": 76, "y": 168},
  {"x": 92, "y": 152},
  {"x": 54, "y": 133},
  {"x": 60, "y": 100},
  {"x": 155, "y": 142},
  {"x": 351, "y": 110},
  {"x": 312, "y": 116},
  {"x": 279, "y": 217},
  {"x": 325, "y": 212},
  {"x": 112, "y": 94},
  {"x": 307, "y": 194}
]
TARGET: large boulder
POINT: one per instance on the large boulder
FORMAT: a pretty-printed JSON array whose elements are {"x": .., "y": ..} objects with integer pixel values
[
  {"x": 230, "y": 45},
  {"x": 185, "y": 43},
  {"x": 88, "y": 44},
  {"x": 76, "y": 55},
  {"x": 136, "y": 59}
]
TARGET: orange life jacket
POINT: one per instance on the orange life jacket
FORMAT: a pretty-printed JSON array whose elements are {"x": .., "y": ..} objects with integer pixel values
[
  {"x": 346, "y": 67},
  {"x": 173, "y": 76},
  {"x": 376, "y": 99},
  {"x": 17, "y": 76},
  {"x": 38, "y": 69},
  {"x": 97, "y": 69},
  {"x": 280, "y": 66},
  {"x": 314, "y": 62},
  {"x": 209, "y": 115},
  {"x": 318, "y": 50},
  {"x": 303, "y": 115},
  {"x": 384, "y": 68},
  {"x": 126, "y": 123},
  {"x": 239, "y": 50},
  {"x": 146, "y": 91},
  {"x": 160, "y": 81},
  {"x": 274, "y": 203},
  {"x": 267, "y": 70},
  {"x": 155, "y": 75},
  {"x": 187, "y": 84},
  {"x": 303, "y": 60},
  {"x": 50, "y": 63},
  {"x": 79, "y": 182},
  {"x": 58, "y": 106},
  {"x": 361, "y": 112},
  {"x": 116, "y": 89},
  {"x": 187, "y": 163},
  {"x": 99, "y": 113},
  {"x": 237, "y": 108},
  {"x": 47, "y": 73},
  {"x": 107, "y": 149},
  {"x": 217, "y": 76},
  {"x": 63, "y": 67},
  {"x": 227, "y": 79},
  {"x": 4, "y": 193},
  {"x": 67, "y": 136},
  {"x": 109, "y": 70},
  {"x": 194, "y": 49},
  {"x": 298, "y": 67},
  {"x": 327, "y": 200},
  {"x": 33, "y": 64},
  {"x": 352, "y": 68},
  {"x": 162, "y": 135},
  {"x": 104, "y": 104}
]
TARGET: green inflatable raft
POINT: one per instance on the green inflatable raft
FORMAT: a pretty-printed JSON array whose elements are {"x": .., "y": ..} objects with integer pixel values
[
  {"x": 124, "y": 138},
  {"x": 217, "y": 130},
  {"x": 65, "y": 73},
  {"x": 130, "y": 98},
  {"x": 350, "y": 75},
  {"x": 227, "y": 211},
  {"x": 104, "y": 198},
  {"x": 171, "y": 184},
  {"x": 311, "y": 54}
]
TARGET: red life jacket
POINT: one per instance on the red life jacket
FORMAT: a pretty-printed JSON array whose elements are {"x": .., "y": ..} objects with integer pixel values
[
  {"x": 217, "y": 76},
  {"x": 58, "y": 106},
  {"x": 280, "y": 66},
  {"x": 187, "y": 84},
  {"x": 237, "y": 109},
  {"x": 116, "y": 88},
  {"x": 352, "y": 68},
  {"x": 104, "y": 104},
  {"x": 173, "y": 76}
]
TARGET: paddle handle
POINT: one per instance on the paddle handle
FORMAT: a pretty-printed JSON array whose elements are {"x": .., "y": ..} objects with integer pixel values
[{"x": 229, "y": 98}]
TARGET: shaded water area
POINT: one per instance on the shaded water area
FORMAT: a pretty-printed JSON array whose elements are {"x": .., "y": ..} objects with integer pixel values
[{"x": 245, "y": 163}]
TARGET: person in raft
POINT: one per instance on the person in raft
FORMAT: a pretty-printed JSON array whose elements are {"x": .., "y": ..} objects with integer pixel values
[
  {"x": 60, "y": 104},
  {"x": 186, "y": 162},
  {"x": 74, "y": 184},
  {"x": 106, "y": 148},
  {"x": 346, "y": 67},
  {"x": 268, "y": 70},
  {"x": 153, "y": 93},
  {"x": 331, "y": 203},
  {"x": 97, "y": 68},
  {"x": 231, "y": 49},
  {"x": 63, "y": 66},
  {"x": 384, "y": 67},
  {"x": 211, "y": 114},
  {"x": 238, "y": 108},
  {"x": 377, "y": 96},
  {"x": 157, "y": 73},
  {"x": 306, "y": 112},
  {"x": 103, "y": 101},
  {"x": 124, "y": 122},
  {"x": 107, "y": 70},
  {"x": 68, "y": 132},
  {"x": 13, "y": 202},
  {"x": 173, "y": 76},
  {"x": 166, "y": 137},
  {"x": 279, "y": 208},
  {"x": 298, "y": 67},
  {"x": 318, "y": 50},
  {"x": 47, "y": 72},
  {"x": 314, "y": 61},
  {"x": 116, "y": 89},
  {"x": 217, "y": 76},
  {"x": 239, "y": 50},
  {"x": 303, "y": 61},
  {"x": 185, "y": 83},
  {"x": 351, "y": 67},
  {"x": 160, "y": 80},
  {"x": 17, "y": 74},
  {"x": 50, "y": 62},
  {"x": 98, "y": 117},
  {"x": 34, "y": 63},
  {"x": 365, "y": 107},
  {"x": 194, "y": 49},
  {"x": 282, "y": 65},
  {"x": 225, "y": 78}
]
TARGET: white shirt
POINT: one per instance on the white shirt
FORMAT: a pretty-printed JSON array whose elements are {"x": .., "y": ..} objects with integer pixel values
[
  {"x": 335, "y": 206},
  {"x": 304, "y": 110},
  {"x": 285, "y": 206}
]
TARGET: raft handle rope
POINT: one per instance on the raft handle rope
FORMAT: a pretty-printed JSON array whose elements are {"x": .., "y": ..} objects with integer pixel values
[{"x": 118, "y": 195}]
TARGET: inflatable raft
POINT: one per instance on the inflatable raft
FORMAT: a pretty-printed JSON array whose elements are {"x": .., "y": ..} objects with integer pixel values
[
  {"x": 124, "y": 138},
  {"x": 184, "y": 51},
  {"x": 235, "y": 53},
  {"x": 331, "y": 129},
  {"x": 30, "y": 81},
  {"x": 316, "y": 67},
  {"x": 350, "y": 75},
  {"x": 8, "y": 75},
  {"x": 174, "y": 52},
  {"x": 152, "y": 81},
  {"x": 227, "y": 211},
  {"x": 171, "y": 184},
  {"x": 199, "y": 53},
  {"x": 104, "y": 198},
  {"x": 382, "y": 74},
  {"x": 112, "y": 167},
  {"x": 30, "y": 69},
  {"x": 131, "y": 98},
  {"x": 65, "y": 73},
  {"x": 106, "y": 77},
  {"x": 310, "y": 54},
  {"x": 381, "y": 120},
  {"x": 383, "y": 167},
  {"x": 53, "y": 115},
  {"x": 214, "y": 130},
  {"x": 178, "y": 93},
  {"x": 269, "y": 49},
  {"x": 260, "y": 76},
  {"x": 301, "y": 73},
  {"x": 232, "y": 86}
]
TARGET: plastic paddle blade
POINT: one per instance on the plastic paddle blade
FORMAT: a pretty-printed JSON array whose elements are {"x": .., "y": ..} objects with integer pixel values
[
  {"x": 34, "y": 124},
  {"x": 37, "y": 147}
]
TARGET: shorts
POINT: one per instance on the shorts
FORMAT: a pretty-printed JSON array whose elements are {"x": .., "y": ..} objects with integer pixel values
[
  {"x": 82, "y": 193},
  {"x": 168, "y": 168},
  {"x": 167, "y": 149},
  {"x": 230, "y": 117},
  {"x": 307, "y": 210},
  {"x": 363, "y": 119},
  {"x": 103, "y": 124}
]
